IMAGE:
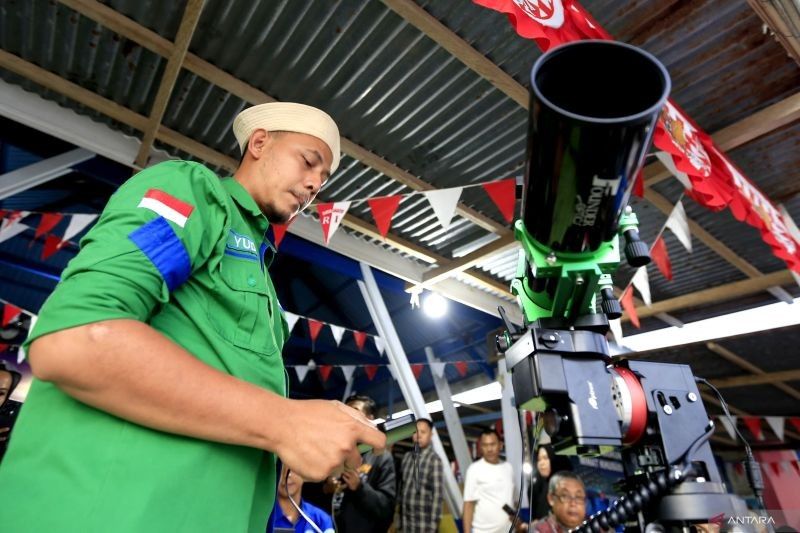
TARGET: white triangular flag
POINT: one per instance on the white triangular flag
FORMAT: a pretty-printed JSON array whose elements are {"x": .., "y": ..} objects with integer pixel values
[
  {"x": 21, "y": 355},
  {"x": 679, "y": 225},
  {"x": 616, "y": 330},
  {"x": 338, "y": 332},
  {"x": 438, "y": 369},
  {"x": 667, "y": 161},
  {"x": 6, "y": 223},
  {"x": 12, "y": 231},
  {"x": 444, "y": 203},
  {"x": 776, "y": 424},
  {"x": 380, "y": 344},
  {"x": 76, "y": 224},
  {"x": 291, "y": 319},
  {"x": 729, "y": 425},
  {"x": 348, "y": 370},
  {"x": 301, "y": 371},
  {"x": 642, "y": 284}
]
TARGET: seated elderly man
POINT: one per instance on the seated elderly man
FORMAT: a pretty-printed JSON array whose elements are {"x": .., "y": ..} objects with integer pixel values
[{"x": 567, "y": 498}]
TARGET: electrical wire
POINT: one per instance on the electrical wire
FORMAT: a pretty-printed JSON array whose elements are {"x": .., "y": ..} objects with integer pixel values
[
  {"x": 752, "y": 466},
  {"x": 297, "y": 507},
  {"x": 528, "y": 446}
]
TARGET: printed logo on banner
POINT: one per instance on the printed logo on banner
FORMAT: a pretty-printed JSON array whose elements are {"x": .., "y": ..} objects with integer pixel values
[
  {"x": 685, "y": 137},
  {"x": 549, "y": 13}
]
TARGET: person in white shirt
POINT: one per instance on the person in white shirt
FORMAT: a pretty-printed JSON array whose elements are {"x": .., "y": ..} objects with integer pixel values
[{"x": 489, "y": 486}]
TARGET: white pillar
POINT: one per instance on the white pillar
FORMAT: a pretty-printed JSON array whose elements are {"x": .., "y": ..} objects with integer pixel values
[
  {"x": 405, "y": 378},
  {"x": 511, "y": 421},
  {"x": 451, "y": 418}
]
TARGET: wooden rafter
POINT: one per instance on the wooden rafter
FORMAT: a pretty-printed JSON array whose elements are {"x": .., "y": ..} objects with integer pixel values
[
  {"x": 126, "y": 27},
  {"x": 126, "y": 116},
  {"x": 783, "y": 32},
  {"x": 759, "y": 379},
  {"x": 154, "y": 42},
  {"x": 729, "y": 291},
  {"x": 182, "y": 40},
  {"x": 739, "y": 361}
]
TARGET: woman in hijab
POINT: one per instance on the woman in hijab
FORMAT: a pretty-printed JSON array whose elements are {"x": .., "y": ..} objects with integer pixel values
[{"x": 547, "y": 462}]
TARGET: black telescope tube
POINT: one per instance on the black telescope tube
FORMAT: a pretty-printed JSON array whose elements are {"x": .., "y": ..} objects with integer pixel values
[{"x": 594, "y": 105}]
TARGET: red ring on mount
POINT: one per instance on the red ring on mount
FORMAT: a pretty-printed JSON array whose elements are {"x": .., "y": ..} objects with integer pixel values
[{"x": 638, "y": 406}]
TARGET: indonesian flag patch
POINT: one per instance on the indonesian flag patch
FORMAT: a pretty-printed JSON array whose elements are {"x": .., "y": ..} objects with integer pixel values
[{"x": 167, "y": 206}]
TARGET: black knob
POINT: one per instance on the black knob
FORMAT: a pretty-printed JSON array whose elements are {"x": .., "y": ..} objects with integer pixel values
[
  {"x": 636, "y": 251},
  {"x": 610, "y": 305}
]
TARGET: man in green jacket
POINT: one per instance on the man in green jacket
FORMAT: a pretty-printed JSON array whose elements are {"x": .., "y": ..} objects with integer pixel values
[{"x": 159, "y": 402}]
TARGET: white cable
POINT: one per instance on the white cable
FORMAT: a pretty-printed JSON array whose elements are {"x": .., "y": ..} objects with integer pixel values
[{"x": 297, "y": 507}]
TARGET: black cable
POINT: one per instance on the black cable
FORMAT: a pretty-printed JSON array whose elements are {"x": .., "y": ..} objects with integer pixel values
[
  {"x": 526, "y": 451},
  {"x": 752, "y": 467},
  {"x": 637, "y": 498}
]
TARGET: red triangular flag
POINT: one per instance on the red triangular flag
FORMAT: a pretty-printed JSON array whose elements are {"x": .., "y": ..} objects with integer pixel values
[
  {"x": 753, "y": 423},
  {"x": 461, "y": 366},
  {"x": 417, "y": 369},
  {"x": 638, "y": 184},
  {"x": 325, "y": 371},
  {"x": 661, "y": 257},
  {"x": 10, "y": 312},
  {"x": 776, "y": 467},
  {"x": 502, "y": 194},
  {"x": 360, "y": 338},
  {"x": 795, "y": 421},
  {"x": 371, "y": 370},
  {"x": 4, "y": 347},
  {"x": 314, "y": 327},
  {"x": 13, "y": 217},
  {"x": 278, "y": 231},
  {"x": 383, "y": 209},
  {"x": 48, "y": 222},
  {"x": 627, "y": 304},
  {"x": 52, "y": 244}
]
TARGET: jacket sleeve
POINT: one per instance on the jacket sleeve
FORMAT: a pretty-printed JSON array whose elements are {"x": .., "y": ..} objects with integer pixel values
[{"x": 377, "y": 495}]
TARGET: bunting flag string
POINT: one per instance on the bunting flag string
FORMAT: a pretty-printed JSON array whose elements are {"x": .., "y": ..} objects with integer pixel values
[
  {"x": 12, "y": 225},
  {"x": 776, "y": 424},
  {"x": 315, "y": 327},
  {"x": 383, "y": 209}
]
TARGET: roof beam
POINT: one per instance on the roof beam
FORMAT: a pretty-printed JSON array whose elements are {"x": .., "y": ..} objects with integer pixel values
[
  {"x": 43, "y": 171},
  {"x": 729, "y": 291},
  {"x": 134, "y": 120},
  {"x": 665, "y": 206},
  {"x": 186, "y": 29},
  {"x": 785, "y": 32},
  {"x": 739, "y": 361},
  {"x": 459, "y": 48},
  {"x": 154, "y": 42},
  {"x": 739, "y": 133},
  {"x": 760, "y": 379}
]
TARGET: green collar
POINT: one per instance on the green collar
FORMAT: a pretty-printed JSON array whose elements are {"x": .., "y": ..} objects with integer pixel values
[{"x": 245, "y": 201}]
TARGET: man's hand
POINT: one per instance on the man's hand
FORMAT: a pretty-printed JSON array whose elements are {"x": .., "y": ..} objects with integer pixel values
[
  {"x": 319, "y": 437},
  {"x": 352, "y": 479}
]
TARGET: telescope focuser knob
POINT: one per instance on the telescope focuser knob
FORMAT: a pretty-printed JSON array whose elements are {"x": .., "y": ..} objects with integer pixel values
[
  {"x": 609, "y": 304},
  {"x": 636, "y": 251}
]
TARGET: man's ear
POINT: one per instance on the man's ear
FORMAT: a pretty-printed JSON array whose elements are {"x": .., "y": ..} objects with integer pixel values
[
  {"x": 550, "y": 499},
  {"x": 257, "y": 143}
]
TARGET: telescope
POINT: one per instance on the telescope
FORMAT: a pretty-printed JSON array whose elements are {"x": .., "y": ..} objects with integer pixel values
[{"x": 593, "y": 111}]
